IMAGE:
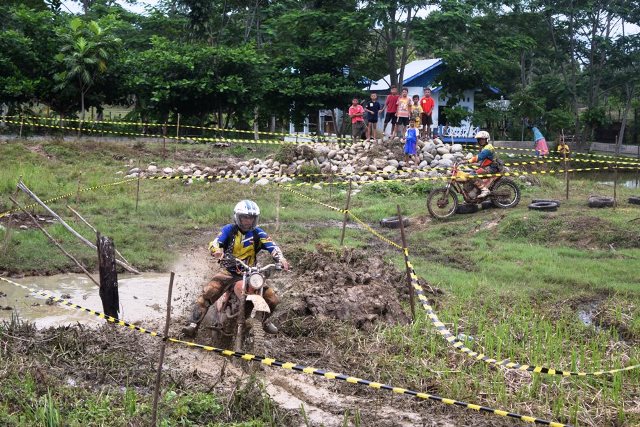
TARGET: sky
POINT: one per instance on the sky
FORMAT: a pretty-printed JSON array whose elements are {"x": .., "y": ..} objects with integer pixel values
[{"x": 76, "y": 7}]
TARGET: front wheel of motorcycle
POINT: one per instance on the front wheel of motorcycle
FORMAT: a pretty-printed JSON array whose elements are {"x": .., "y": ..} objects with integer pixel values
[
  {"x": 254, "y": 342},
  {"x": 442, "y": 203},
  {"x": 505, "y": 194}
]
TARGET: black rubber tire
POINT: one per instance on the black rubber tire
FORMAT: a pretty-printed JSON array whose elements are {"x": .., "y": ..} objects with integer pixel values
[
  {"x": 487, "y": 204},
  {"x": 557, "y": 202},
  {"x": 634, "y": 200},
  {"x": 543, "y": 206},
  {"x": 600, "y": 202},
  {"x": 467, "y": 208},
  {"x": 451, "y": 199},
  {"x": 505, "y": 183},
  {"x": 393, "y": 222}
]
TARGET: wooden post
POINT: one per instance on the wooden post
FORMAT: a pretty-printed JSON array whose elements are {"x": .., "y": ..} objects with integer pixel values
[
  {"x": 164, "y": 141},
  {"x": 346, "y": 214},
  {"x": 178, "y": 128},
  {"x": 278, "y": 210},
  {"x": 615, "y": 176},
  {"x": 156, "y": 391},
  {"x": 108, "y": 276},
  {"x": 21, "y": 124},
  {"x": 566, "y": 175},
  {"x": 405, "y": 251},
  {"x": 7, "y": 234},
  {"x": 138, "y": 186},
  {"x": 78, "y": 188}
]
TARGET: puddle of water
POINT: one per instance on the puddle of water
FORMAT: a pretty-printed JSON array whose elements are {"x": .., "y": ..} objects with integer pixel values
[
  {"x": 625, "y": 179},
  {"x": 142, "y": 297}
]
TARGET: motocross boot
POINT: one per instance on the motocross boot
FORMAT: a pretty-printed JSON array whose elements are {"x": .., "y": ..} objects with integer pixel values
[
  {"x": 269, "y": 327},
  {"x": 484, "y": 193},
  {"x": 198, "y": 313}
]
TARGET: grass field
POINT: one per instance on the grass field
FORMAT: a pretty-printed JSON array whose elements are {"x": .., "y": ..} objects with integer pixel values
[{"x": 516, "y": 281}]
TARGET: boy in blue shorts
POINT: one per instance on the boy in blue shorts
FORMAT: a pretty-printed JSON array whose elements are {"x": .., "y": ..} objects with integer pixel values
[{"x": 411, "y": 142}]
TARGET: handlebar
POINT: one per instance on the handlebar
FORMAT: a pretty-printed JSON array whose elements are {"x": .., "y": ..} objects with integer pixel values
[{"x": 276, "y": 266}]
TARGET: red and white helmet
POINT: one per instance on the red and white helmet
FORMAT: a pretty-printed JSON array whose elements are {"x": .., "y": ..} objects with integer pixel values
[
  {"x": 483, "y": 134},
  {"x": 246, "y": 208}
]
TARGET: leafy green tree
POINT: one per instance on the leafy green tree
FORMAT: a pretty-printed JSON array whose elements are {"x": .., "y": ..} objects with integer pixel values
[{"x": 85, "y": 52}]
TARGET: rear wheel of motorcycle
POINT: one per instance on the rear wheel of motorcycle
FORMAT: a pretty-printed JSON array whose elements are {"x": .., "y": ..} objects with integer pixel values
[
  {"x": 442, "y": 203},
  {"x": 222, "y": 338},
  {"x": 505, "y": 194}
]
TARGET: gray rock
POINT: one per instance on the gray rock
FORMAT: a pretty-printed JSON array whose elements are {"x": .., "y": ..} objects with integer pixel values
[
  {"x": 447, "y": 156},
  {"x": 152, "y": 169},
  {"x": 317, "y": 187},
  {"x": 456, "y": 148},
  {"x": 393, "y": 163},
  {"x": 262, "y": 181},
  {"x": 331, "y": 154},
  {"x": 167, "y": 171},
  {"x": 445, "y": 163},
  {"x": 389, "y": 169},
  {"x": 442, "y": 150},
  {"x": 134, "y": 170}
]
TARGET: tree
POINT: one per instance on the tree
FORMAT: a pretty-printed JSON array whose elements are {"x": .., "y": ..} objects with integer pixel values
[{"x": 85, "y": 52}]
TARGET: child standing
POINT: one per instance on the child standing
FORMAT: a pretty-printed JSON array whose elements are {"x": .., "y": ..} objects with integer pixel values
[
  {"x": 404, "y": 111},
  {"x": 416, "y": 111},
  {"x": 372, "y": 107},
  {"x": 411, "y": 142},
  {"x": 356, "y": 112},
  {"x": 540, "y": 143}
]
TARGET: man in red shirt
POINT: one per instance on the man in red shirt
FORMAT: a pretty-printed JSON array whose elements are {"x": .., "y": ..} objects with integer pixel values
[
  {"x": 391, "y": 105},
  {"x": 356, "y": 112},
  {"x": 427, "y": 103}
]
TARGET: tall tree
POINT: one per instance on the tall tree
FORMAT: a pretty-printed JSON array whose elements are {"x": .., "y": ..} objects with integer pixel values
[{"x": 85, "y": 53}]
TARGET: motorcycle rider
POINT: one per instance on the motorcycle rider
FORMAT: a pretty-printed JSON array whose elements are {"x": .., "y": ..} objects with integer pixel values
[
  {"x": 487, "y": 162},
  {"x": 243, "y": 240}
]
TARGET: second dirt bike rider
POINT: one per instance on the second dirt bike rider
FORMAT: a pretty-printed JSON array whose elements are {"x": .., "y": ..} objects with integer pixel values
[
  {"x": 243, "y": 240},
  {"x": 487, "y": 161}
]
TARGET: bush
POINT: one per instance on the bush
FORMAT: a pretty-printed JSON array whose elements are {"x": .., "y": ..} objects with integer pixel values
[
  {"x": 310, "y": 169},
  {"x": 286, "y": 154}
]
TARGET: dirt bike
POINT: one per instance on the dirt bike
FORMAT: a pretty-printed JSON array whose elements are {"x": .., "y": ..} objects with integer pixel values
[
  {"x": 230, "y": 323},
  {"x": 443, "y": 202}
]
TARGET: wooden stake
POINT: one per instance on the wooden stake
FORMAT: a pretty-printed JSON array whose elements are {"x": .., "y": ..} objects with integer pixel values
[
  {"x": 78, "y": 189},
  {"x": 46, "y": 233},
  {"x": 108, "y": 276},
  {"x": 7, "y": 235},
  {"x": 278, "y": 210},
  {"x": 566, "y": 175},
  {"x": 156, "y": 391},
  {"x": 164, "y": 141},
  {"x": 26, "y": 190},
  {"x": 178, "y": 128},
  {"x": 346, "y": 214},
  {"x": 21, "y": 124},
  {"x": 138, "y": 186},
  {"x": 405, "y": 251}
]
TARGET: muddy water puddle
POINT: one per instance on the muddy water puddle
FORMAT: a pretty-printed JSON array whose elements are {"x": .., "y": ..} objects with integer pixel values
[{"x": 142, "y": 297}]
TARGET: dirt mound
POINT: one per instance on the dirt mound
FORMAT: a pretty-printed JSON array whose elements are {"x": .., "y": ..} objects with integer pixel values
[{"x": 346, "y": 285}]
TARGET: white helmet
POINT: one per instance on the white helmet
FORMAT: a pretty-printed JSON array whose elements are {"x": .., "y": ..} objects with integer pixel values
[
  {"x": 246, "y": 208},
  {"x": 483, "y": 134}
]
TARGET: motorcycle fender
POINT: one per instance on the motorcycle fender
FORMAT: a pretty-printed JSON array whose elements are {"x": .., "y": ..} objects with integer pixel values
[{"x": 259, "y": 304}]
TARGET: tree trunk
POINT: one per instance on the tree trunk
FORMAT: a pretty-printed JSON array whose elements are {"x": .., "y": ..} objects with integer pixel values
[
  {"x": 629, "y": 89},
  {"x": 108, "y": 276}
]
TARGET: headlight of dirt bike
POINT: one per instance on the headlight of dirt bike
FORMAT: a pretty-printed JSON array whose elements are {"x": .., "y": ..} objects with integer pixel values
[{"x": 256, "y": 281}]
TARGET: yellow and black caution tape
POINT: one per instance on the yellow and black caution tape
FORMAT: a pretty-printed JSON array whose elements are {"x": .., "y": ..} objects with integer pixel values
[
  {"x": 178, "y": 138},
  {"x": 603, "y": 156},
  {"x": 459, "y": 345},
  {"x": 314, "y": 200},
  {"x": 64, "y": 196},
  {"x": 173, "y": 125},
  {"x": 447, "y": 335},
  {"x": 292, "y": 366}
]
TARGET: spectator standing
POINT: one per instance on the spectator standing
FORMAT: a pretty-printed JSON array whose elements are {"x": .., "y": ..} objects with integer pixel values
[
  {"x": 411, "y": 142},
  {"x": 404, "y": 111},
  {"x": 372, "y": 107},
  {"x": 356, "y": 112},
  {"x": 540, "y": 143},
  {"x": 416, "y": 111},
  {"x": 427, "y": 104},
  {"x": 391, "y": 106}
]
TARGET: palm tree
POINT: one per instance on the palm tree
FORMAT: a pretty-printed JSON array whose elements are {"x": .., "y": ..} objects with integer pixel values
[{"x": 85, "y": 51}]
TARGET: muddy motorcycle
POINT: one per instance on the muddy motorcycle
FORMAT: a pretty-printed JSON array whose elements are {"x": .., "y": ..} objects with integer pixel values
[
  {"x": 238, "y": 314},
  {"x": 443, "y": 202}
]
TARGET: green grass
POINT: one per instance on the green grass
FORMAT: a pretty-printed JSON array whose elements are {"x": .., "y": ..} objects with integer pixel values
[{"x": 515, "y": 286}]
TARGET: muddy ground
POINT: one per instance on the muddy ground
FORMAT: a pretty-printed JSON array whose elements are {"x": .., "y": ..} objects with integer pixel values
[{"x": 331, "y": 297}]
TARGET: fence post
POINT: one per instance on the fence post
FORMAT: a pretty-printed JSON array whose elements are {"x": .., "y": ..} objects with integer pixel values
[
  {"x": 108, "y": 276},
  {"x": 21, "y": 124},
  {"x": 178, "y": 128},
  {"x": 346, "y": 214},
  {"x": 138, "y": 186},
  {"x": 78, "y": 188},
  {"x": 405, "y": 252},
  {"x": 156, "y": 391}
]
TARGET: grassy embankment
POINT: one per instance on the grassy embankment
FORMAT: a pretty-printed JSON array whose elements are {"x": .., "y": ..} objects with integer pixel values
[{"x": 514, "y": 280}]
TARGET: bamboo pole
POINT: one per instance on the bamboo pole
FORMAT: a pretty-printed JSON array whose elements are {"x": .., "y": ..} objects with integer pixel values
[
  {"x": 76, "y": 213},
  {"x": 138, "y": 186},
  {"x": 46, "y": 233},
  {"x": 405, "y": 252},
  {"x": 7, "y": 235},
  {"x": 156, "y": 391},
  {"x": 346, "y": 214},
  {"x": 26, "y": 190}
]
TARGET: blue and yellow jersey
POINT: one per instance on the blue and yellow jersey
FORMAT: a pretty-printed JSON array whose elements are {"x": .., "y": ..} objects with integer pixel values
[
  {"x": 244, "y": 246},
  {"x": 486, "y": 156}
]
